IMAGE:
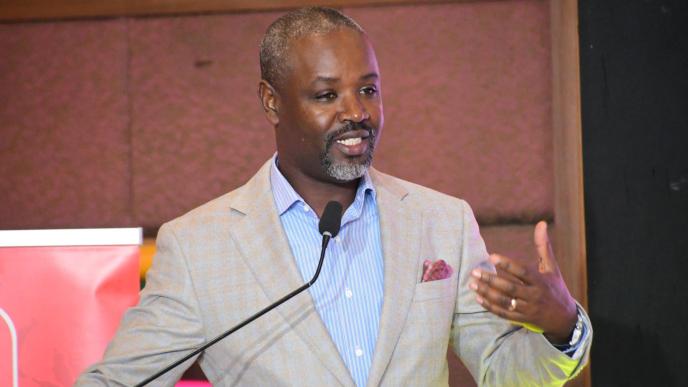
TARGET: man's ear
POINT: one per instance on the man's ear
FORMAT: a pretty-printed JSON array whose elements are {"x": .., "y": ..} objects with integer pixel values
[{"x": 270, "y": 101}]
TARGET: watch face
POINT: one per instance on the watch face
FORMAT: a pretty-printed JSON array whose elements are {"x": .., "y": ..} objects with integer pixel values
[{"x": 575, "y": 337}]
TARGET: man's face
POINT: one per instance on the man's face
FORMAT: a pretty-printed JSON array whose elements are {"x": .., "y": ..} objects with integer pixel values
[{"x": 330, "y": 108}]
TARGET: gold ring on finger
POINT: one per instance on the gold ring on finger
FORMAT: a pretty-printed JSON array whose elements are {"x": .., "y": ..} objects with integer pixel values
[{"x": 512, "y": 305}]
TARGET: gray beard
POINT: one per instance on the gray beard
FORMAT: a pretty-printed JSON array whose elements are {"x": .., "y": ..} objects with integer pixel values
[{"x": 347, "y": 171}]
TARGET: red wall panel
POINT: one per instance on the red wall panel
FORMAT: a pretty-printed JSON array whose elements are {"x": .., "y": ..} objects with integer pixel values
[
  {"x": 198, "y": 128},
  {"x": 64, "y": 144},
  {"x": 467, "y": 96},
  {"x": 135, "y": 121}
]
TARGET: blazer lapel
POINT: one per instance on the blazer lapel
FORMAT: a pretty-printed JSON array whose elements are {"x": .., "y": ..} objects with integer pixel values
[
  {"x": 400, "y": 228},
  {"x": 265, "y": 249}
]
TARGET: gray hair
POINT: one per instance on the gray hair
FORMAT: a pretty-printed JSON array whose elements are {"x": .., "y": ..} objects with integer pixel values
[{"x": 291, "y": 26}]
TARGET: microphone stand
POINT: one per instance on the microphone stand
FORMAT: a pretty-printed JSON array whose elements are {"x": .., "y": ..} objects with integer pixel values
[{"x": 326, "y": 239}]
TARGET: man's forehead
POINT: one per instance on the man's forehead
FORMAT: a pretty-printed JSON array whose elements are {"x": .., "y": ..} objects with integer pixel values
[
  {"x": 320, "y": 78},
  {"x": 325, "y": 56}
]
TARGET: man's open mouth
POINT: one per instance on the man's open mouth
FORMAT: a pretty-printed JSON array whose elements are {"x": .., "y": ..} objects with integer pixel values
[{"x": 351, "y": 143}]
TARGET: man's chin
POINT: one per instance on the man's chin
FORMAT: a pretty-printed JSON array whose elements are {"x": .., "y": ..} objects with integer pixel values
[
  {"x": 346, "y": 168},
  {"x": 347, "y": 172}
]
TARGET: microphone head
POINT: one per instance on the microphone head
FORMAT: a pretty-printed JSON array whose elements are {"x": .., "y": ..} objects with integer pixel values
[{"x": 331, "y": 219}]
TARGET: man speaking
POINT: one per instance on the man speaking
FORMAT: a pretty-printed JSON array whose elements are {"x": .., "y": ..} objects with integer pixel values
[{"x": 407, "y": 275}]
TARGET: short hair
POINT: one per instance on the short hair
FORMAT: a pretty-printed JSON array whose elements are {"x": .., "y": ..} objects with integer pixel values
[{"x": 291, "y": 26}]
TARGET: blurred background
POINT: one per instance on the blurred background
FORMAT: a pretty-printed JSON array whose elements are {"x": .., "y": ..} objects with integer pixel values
[{"x": 130, "y": 113}]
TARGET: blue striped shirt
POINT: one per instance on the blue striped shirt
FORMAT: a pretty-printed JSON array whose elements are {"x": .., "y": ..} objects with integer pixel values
[{"x": 348, "y": 293}]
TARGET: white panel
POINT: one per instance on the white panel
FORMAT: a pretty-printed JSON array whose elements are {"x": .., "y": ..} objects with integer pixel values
[{"x": 72, "y": 237}]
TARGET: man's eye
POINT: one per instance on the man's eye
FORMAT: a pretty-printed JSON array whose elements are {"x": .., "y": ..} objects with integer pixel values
[
  {"x": 326, "y": 96},
  {"x": 370, "y": 90}
]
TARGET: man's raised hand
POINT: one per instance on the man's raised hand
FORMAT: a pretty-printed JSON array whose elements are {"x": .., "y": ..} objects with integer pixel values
[{"x": 532, "y": 292}]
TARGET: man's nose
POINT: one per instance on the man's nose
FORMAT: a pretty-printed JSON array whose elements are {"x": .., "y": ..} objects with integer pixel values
[{"x": 352, "y": 109}]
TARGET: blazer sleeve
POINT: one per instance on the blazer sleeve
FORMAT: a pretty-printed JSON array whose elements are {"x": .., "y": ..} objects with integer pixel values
[
  {"x": 495, "y": 351},
  {"x": 161, "y": 329}
]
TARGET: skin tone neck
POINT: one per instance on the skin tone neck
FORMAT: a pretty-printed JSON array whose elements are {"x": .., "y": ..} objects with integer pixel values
[{"x": 318, "y": 193}]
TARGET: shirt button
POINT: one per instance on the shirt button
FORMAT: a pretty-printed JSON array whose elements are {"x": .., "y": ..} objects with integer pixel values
[
  {"x": 348, "y": 293},
  {"x": 358, "y": 351},
  {"x": 305, "y": 208},
  {"x": 337, "y": 239}
]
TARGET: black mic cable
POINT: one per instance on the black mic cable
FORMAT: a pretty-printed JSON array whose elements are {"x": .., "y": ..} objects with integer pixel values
[{"x": 329, "y": 226}]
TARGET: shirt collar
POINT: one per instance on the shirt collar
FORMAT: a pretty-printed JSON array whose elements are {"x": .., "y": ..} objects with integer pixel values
[{"x": 285, "y": 195}]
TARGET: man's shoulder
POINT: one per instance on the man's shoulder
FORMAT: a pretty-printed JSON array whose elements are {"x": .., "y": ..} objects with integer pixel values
[
  {"x": 224, "y": 208},
  {"x": 420, "y": 195}
]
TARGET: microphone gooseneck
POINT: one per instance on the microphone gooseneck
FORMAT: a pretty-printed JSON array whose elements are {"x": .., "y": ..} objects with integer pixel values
[{"x": 330, "y": 223}]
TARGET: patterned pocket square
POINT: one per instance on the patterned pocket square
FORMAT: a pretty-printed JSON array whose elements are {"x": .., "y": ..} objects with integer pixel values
[{"x": 437, "y": 270}]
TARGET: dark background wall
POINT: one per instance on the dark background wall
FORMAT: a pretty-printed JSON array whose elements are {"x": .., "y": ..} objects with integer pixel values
[{"x": 634, "y": 76}]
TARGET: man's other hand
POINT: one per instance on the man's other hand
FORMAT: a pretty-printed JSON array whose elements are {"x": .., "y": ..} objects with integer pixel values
[{"x": 532, "y": 293}]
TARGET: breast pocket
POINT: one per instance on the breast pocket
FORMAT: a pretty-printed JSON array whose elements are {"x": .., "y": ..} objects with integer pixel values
[
  {"x": 431, "y": 290},
  {"x": 428, "y": 322}
]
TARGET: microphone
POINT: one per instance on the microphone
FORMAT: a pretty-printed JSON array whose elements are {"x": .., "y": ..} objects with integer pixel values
[
  {"x": 331, "y": 219},
  {"x": 329, "y": 226}
]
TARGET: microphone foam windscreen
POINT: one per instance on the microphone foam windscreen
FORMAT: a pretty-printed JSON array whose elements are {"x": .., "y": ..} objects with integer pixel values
[{"x": 331, "y": 219}]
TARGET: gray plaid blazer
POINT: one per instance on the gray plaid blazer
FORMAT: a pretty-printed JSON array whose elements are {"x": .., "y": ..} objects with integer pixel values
[{"x": 225, "y": 260}]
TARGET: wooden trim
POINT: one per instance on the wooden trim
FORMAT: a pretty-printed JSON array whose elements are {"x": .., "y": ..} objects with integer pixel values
[
  {"x": 25, "y": 10},
  {"x": 146, "y": 253},
  {"x": 569, "y": 213},
  {"x": 568, "y": 161}
]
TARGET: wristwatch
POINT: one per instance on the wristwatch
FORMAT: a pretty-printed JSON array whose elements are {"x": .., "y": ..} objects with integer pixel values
[
  {"x": 577, "y": 331},
  {"x": 576, "y": 335}
]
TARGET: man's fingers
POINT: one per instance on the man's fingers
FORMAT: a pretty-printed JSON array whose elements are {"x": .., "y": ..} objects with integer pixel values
[
  {"x": 509, "y": 302},
  {"x": 508, "y": 276},
  {"x": 547, "y": 263},
  {"x": 504, "y": 309},
  {"x": 512, "y": 267},
  {"x": 485, "y": 280}
]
